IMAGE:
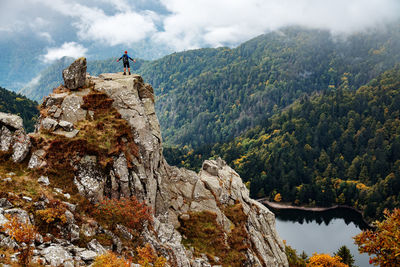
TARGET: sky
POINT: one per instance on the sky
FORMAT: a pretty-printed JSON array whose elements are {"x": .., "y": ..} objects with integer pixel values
[{"x": 72, "y": 27}]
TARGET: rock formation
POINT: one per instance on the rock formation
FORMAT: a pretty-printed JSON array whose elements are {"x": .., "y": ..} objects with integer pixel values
[
  {"x": 107, "y": 135},
  {"x": 13, "y": 137},
  {"x": 74, "y": 76}
]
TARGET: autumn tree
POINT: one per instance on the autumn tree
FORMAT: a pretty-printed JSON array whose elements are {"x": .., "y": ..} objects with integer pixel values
[
  {"x": 383, "y": 242},
  {"x": 278, "y": 198},
  {"x": 325, "y": 260}
]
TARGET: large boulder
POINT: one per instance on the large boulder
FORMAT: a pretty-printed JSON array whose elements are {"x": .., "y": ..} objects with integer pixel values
[
  {"x": 11, "y": 120},
  {"x": 75, "y": 75},
  {"x": 21, "y": 147},
  {"x": 56, "y": 255},
  {"x": 13, "y": 136}
]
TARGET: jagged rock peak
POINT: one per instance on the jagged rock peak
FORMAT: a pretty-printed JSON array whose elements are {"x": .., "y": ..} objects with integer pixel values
[
  {"x": 106, "y": 136},
  {"x": 74, "y": 76}
]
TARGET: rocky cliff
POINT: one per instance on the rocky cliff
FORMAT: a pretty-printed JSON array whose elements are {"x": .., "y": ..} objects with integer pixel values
[{"x": 103, "y": 140}]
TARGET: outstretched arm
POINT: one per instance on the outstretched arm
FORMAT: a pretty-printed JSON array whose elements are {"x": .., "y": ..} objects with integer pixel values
[
  {"x": 119, "y": 59},
  {"x": 132, "y": 59}
]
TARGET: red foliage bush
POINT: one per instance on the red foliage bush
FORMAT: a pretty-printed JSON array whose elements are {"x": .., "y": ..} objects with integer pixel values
[{"x": 126, "y": 211}]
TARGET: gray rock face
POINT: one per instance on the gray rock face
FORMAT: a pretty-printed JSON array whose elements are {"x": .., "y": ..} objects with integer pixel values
[
  {"x": 66, "y": 125},
  {"x": 37, "y": 159},
  {"x": 95, "y": 246},
  {"x": 71, "y": 109},
  {"x": 89, "y": 179},
  {"x": 12, "y": 135},
  {"x": 54, "y": 100},
  {"x": 21, "y": 147},
  {"x": 6, "y": 138},
  {"x": 11, "y": 120},
  {"x": 48, "y": 124},
  {"x": 5, "y": 204},
  {"x": 172, "y": 193},
  {"x": 56, "y": 255},
  {"x": 3, "y": 219},
  {"x": 74, "y": 76},
  {"x": 44, "y": 180},
  {"x": 87, "y": 255}
]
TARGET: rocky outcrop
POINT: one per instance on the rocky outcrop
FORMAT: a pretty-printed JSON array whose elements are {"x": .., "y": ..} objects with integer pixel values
[
  {"x": 75, "y": 75},
  {"x": 13, "y": 138},
  {"x": 136, "y": 167}
]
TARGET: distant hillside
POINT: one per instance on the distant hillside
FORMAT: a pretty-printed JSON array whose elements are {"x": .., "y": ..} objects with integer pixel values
[
  {"x": 11, "y": 102},
  {"x": 338, "y": 147},
  {"x": 212, "y": 95}
]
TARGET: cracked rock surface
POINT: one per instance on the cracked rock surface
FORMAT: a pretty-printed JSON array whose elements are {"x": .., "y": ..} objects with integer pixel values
[{"x": 172, "y": 193}]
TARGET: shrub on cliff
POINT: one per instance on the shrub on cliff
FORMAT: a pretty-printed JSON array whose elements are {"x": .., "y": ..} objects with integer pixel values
[
  {"x": 126, "y": 211},
  {"x": 24, "y": 233}
]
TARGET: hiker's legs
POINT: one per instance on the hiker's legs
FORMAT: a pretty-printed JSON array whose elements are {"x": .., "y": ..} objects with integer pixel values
[
  {"x": 124, "y": 70},
  {"x": 129, "y": 69}
]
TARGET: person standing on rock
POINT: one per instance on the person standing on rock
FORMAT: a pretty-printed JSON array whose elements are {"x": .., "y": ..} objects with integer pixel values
[{"x": 125, "y": 59}]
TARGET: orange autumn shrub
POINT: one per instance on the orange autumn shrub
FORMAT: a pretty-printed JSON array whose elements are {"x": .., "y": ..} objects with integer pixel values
[
  {"x": 126, "y": 211},
  {"x": 109, "y": 259},
  {"x": 148, "y": 257},
  {"x": 325, "y": 260},
  {"x": 22, "y": 232},
  {"x": 54, "y": 213},
  {"x": 383, "y": 242}
]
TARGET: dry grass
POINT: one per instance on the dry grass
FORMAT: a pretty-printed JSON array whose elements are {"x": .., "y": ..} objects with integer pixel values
[
  {"x": 61, "y": 89},
  {"x": 205, "y": 235},
  {"x": 104, "y": 136}
]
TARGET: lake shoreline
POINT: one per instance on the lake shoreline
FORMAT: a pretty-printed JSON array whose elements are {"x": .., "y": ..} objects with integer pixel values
[{"x": 287, "y": 206}]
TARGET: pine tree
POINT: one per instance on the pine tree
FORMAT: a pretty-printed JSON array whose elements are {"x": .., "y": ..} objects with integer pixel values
[{"x": 344, "y": 253}]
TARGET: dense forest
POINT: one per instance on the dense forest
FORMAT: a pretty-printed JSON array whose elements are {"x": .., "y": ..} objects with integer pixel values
[
  {"x": 340, "y": 146},
  {"x": 212, "y": 95},
  {"x": 11, "y": 102}
]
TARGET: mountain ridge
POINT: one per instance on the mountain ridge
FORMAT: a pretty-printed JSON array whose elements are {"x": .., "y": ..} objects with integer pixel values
[{"x": 232, "y": 90}]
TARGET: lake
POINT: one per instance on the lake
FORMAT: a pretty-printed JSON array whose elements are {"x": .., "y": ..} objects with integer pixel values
[{"x": 321, "y": 232}]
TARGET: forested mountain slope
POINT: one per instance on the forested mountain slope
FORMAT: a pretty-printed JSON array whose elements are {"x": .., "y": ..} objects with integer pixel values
[
  {"x": 11, "y": 102},
  {"x": 337, "y": 147},
  {"x": 211, "y": 95}
]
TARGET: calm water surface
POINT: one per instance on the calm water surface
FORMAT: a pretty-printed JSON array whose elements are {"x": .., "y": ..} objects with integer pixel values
[{"x": 322, "y": 232}]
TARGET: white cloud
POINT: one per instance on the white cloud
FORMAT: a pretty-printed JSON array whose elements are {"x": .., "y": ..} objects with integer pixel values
[
  {"x": 197, "y": 23},
  {"x": 70, "y": 49},
  {"x": 185, "y": 24},
  {"x": 122, "y": 28},
  {"x": 93, "y": 24}
]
